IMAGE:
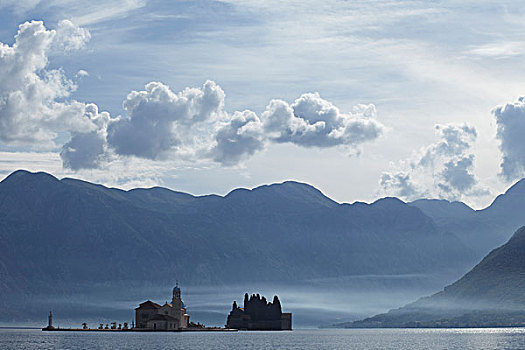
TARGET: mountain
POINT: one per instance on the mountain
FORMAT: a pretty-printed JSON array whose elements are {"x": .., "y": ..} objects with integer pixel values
[
  {"x": 481, "y": 230},
  {"x": 441, "y": 209},
  {"x": 508, "y": 207},
  {"x": 60, "y": 237},
  {"x": 491, "y": 294}
]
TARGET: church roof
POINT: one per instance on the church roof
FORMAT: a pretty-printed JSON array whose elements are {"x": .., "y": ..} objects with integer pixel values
[{"x": 148, "y": 305}]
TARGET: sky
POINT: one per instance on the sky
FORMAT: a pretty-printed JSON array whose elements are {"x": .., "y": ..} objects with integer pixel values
[{"x": 361, "y": 99}]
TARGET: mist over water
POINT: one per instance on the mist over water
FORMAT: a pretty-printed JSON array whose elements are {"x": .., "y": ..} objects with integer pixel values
[{"x": 314, "y": 303}]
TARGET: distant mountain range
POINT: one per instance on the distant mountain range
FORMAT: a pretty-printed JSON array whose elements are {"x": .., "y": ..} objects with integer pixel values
[
  {"x": 491, "y": 294},
  {"x": 63, "y": 236},
  {"x": 481, "y": 230}
]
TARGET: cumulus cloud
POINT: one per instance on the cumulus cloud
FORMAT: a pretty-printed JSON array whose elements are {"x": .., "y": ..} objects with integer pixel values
[
  {"x": 82, "y": 73},
  {"x": 510, "y": 119},
  {"x": 161, "y": 123},
  {"x": 399, "y": 184},
  {"x": 69, "y": 37},
  {"x": 313, "y": 121},
  {"x": 457, "y": 175},
  {"x": 238, "y": 138},
  {"x": 83, "y": 151},
  {"x": 33, "y": 99},
  {"x": 443, "y": 169},
  {"x": 192, "y": 124},
  {"x": 454, "y": 140},
  {"x": 87, "y": 150}
]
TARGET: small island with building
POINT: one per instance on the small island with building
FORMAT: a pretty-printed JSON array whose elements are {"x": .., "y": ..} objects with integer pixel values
[
  {"x": 150, "y": 317},
  {"x": 259, "y": 315}
]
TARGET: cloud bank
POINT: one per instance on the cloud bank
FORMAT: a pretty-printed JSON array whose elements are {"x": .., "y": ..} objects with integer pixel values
[
  {"x": 159, "y": 124},
  {"x": 193, "y": 125},
  {"x": 443, "y": 169}
]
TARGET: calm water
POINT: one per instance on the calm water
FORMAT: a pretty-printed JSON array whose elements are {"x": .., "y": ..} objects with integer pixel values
[{"x": 500, "y": 338}]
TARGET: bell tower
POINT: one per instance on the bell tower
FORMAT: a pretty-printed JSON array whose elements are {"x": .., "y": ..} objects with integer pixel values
[{"x": 176, "y": 299}]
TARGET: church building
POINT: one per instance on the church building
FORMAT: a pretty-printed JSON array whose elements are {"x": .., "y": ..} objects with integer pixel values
[{"x": 167, "y": 317}]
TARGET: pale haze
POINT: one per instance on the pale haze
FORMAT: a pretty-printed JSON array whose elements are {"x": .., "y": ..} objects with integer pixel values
[{"x": 413, "y": 99}]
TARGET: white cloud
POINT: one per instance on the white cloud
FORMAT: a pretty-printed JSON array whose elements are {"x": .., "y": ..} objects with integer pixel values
[
  {"x": 193, "y": 125},
  {"x": 443, "y": 169},
  {"x": 499, "y": 50},
  {"x": 70, "y": 37},
  {"x": 82, "y": 73},
  {"x": 454, "y": 140},
  {"x": 313, "y": 121},
  {"x": 239, "y": 138},
  {"x": 399, "y": 184},
  {"x": 457, "y": 176},
  {"x": 33, "y": 99},
  {"x": 161, "y": 123},
  {"x": 87, "y": 150},
  {"x": 510, "y": 119}
]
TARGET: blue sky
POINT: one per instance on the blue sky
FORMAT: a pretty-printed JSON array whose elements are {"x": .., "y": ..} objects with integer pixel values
[{"x": 433, "y": 71}]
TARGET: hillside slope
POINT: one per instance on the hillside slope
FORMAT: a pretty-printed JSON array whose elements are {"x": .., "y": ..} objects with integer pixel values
[
  {"x": 62, "y": 236},
  {"x": 491, "y": 294},
  {"x": 484, "y": 229}
]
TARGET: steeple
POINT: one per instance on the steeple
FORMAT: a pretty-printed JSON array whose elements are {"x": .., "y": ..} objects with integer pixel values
[{"x": 176, "y": 300}]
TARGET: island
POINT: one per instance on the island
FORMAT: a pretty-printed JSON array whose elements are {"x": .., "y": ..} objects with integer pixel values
[
  {"x": 151, "y": 317},
  {"x": 258, "y": 314}
]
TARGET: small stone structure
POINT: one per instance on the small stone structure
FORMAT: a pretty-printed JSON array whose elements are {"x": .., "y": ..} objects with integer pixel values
[{"x": 49, "y": 322}]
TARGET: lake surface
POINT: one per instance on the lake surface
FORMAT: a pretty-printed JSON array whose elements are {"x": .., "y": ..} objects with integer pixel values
[{"x": 488, "y": 338}]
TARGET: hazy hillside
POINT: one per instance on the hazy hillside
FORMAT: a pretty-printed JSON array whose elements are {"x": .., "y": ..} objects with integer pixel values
[
  {"x": 491, "y": 294},
  {"x": 67, "y": 237},
  {"x": 481, "y": 230},
  {"x": 70, "y": 229},
  {"x": 63, "y": 236}
]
